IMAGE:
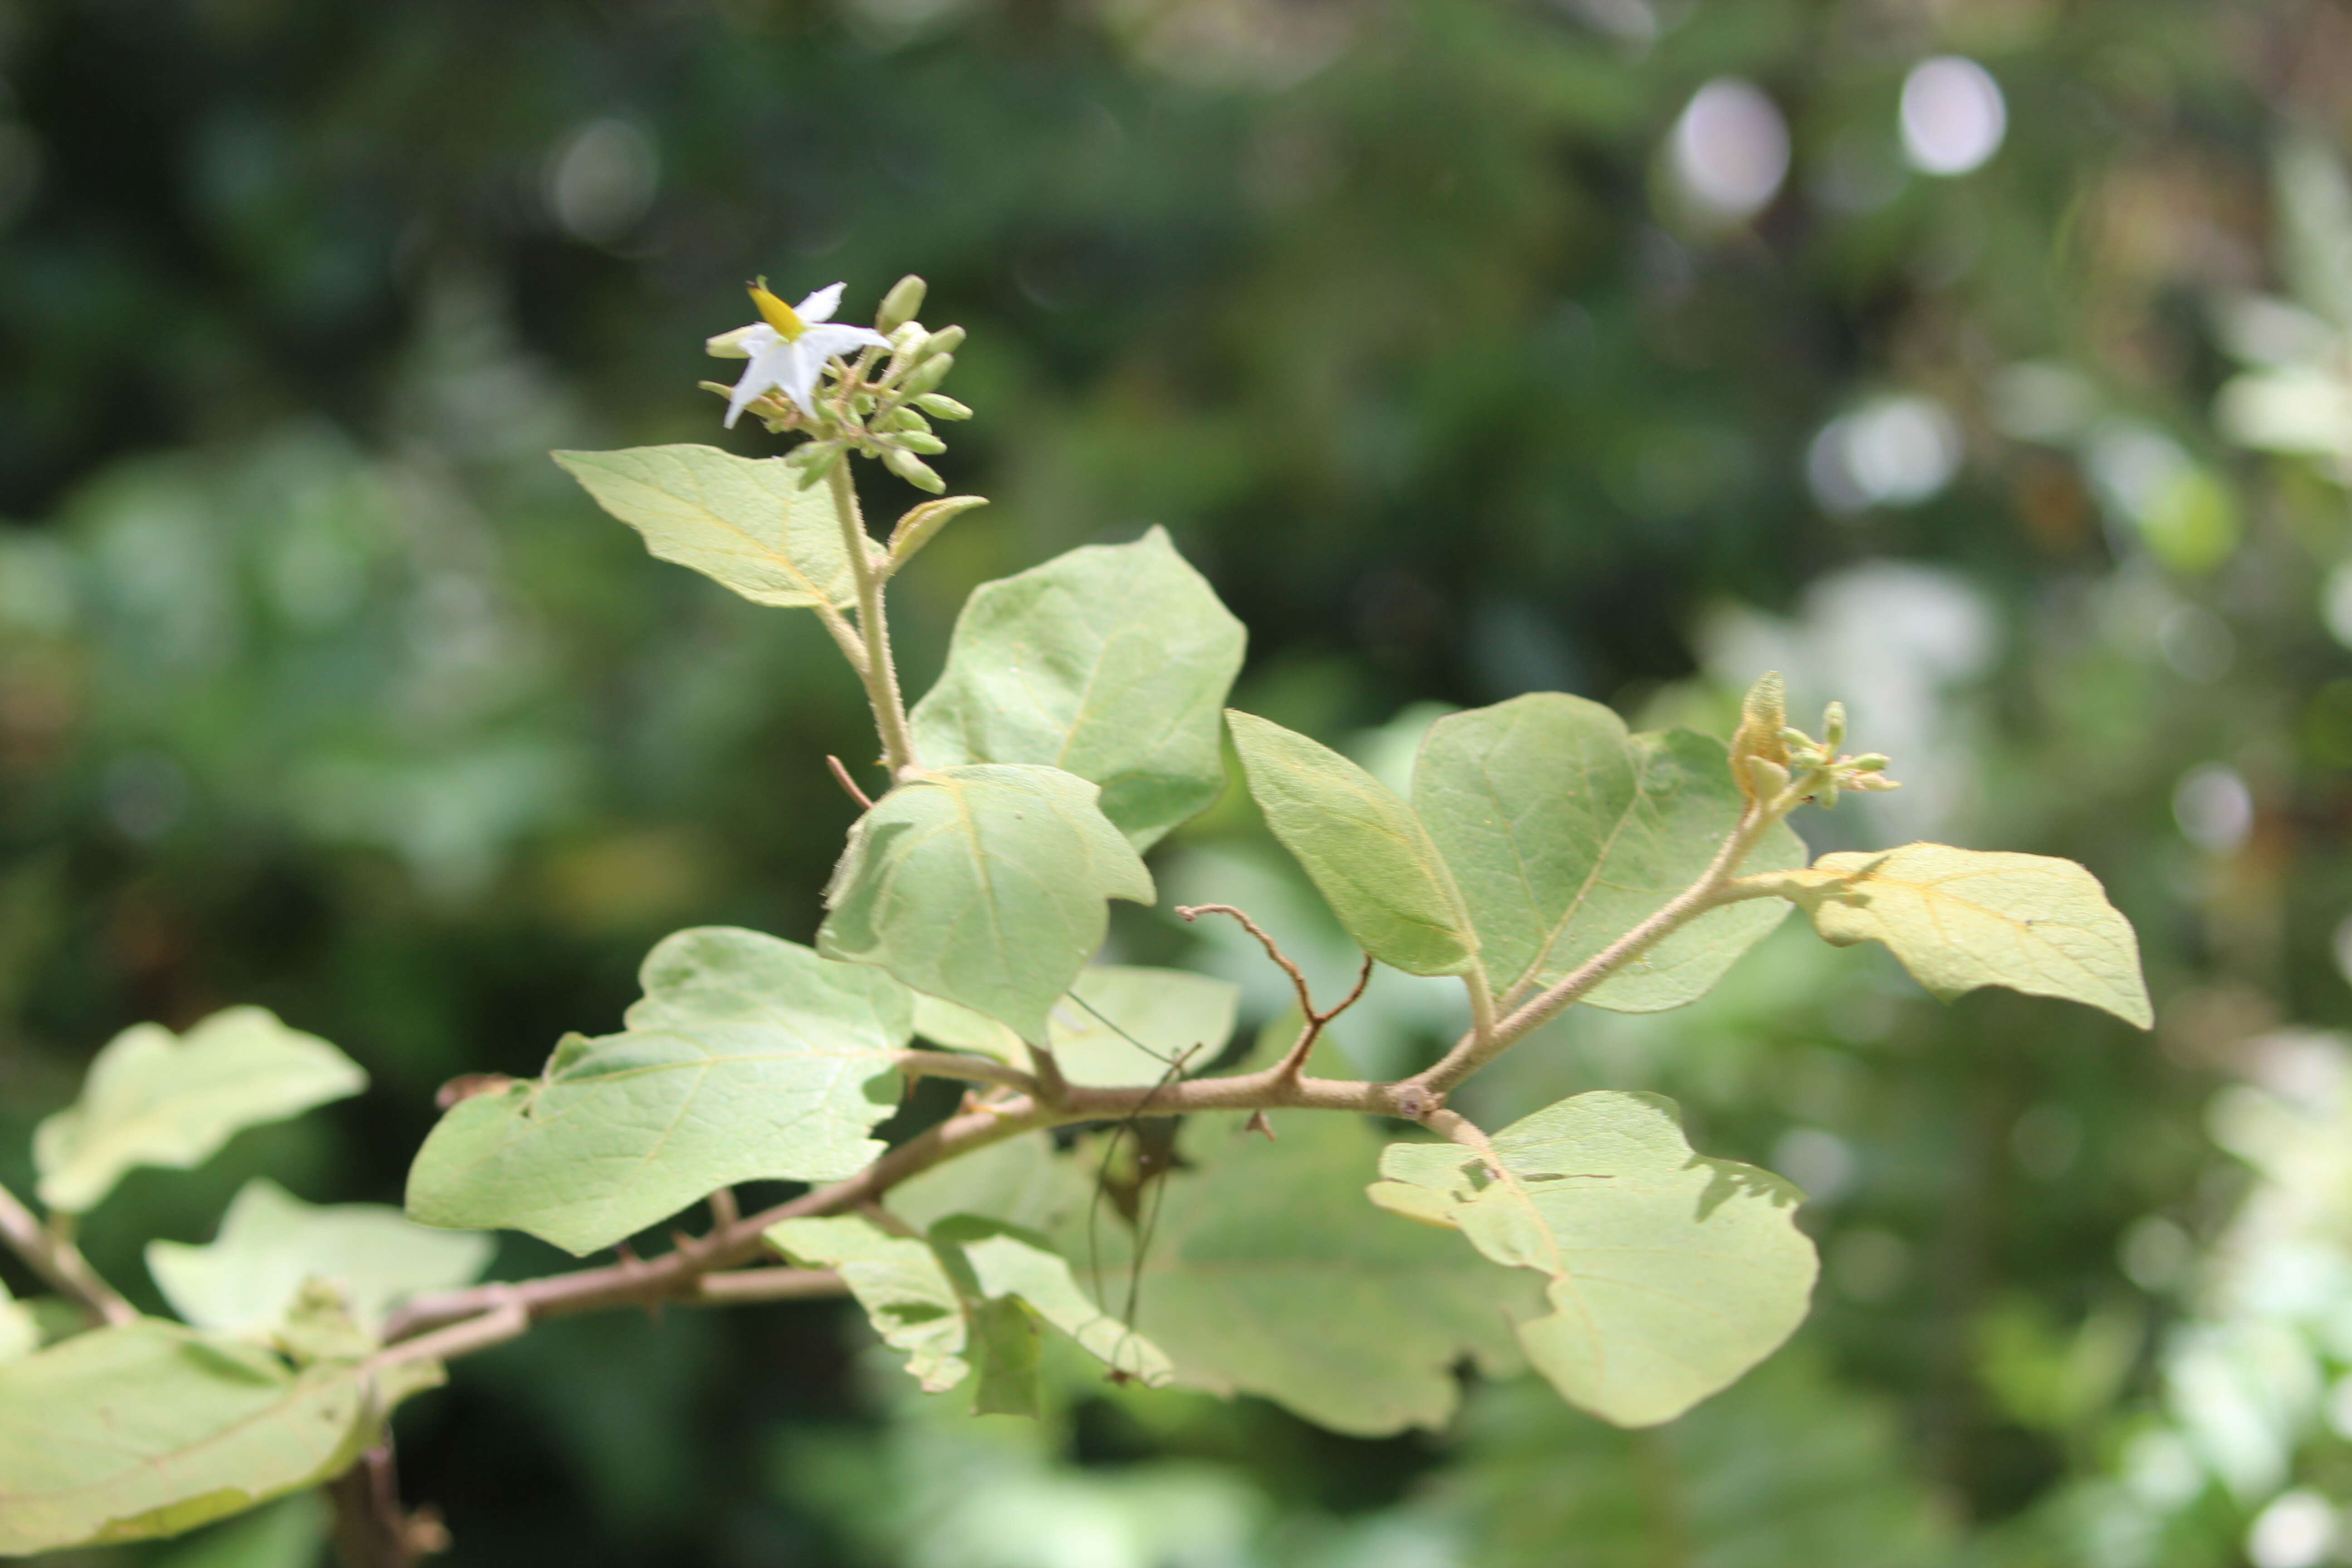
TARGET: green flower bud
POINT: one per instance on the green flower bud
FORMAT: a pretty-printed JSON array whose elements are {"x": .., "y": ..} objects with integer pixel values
[
  {"x": 907, "y": 419},
  {"x": 818, "y": 462},
  {"x": 930, "y": 373},
  {"x": 919, "y": 441},
  {"x": 900, "y": 305},
  {"x": 946, "y": 341},
  {"x": 913, "y": 469},
  {"x": 940, "y": 405},
  {"x": 1833, "y": 727}
]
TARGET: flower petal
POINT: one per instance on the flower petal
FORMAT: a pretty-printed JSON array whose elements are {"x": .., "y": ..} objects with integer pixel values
[
  {"x": 828, "y": 341},
  {"x": 820, "y": 306},
  {"x": 798, "y": 375},
  {"x": 769, "y": 366}
]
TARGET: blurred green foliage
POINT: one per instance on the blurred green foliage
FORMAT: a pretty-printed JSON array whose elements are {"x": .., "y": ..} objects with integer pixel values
[{"x": 320, "y": 688}]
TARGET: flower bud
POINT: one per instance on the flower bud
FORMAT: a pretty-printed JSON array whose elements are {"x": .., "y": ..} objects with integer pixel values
[
  {"x": 729, "y": 345},
  {"x": 900, "y": 305},
  {"x": 930, "y": 373},
  {"x": 940, "y": 405},
  {"x": 913, "y": 469},
  {"x": 1763, "y": 716},
  {"x": 1833, "y": 727},
  {"x": 824, "y": 455},
  {"x": 946, "y": 341},
  {"x": 919, "y": 441}
]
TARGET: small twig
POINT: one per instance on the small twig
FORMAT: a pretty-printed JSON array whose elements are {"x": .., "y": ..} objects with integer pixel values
[
  {"x": 49, "y": 1252},
  {"x": 506, "y": 1321},
  {"x": 1294, "y": 1062},
  {"x": 841, "y": 776},
  {"x": 371, "y": 1530},
  {"x": 1189, "y": 912}
]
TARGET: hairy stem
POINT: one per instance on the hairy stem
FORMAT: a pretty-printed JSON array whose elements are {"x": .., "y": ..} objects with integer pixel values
[
  {"x": 52, "y": 1254},
  {"x": 1714, "y": 888},
  {"x": 877, "y": 670}
]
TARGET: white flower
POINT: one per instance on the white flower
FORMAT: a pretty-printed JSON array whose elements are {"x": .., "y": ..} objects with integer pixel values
[{"x": 788, "y": 346}]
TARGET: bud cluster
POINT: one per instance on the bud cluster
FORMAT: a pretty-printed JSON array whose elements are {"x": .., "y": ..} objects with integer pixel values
[
  {"x": 1774, "y": 762},
  {"x": 884, "y": 410}
]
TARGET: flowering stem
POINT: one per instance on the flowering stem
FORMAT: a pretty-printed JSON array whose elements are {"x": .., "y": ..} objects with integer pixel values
[{"x": 880, "y": 673}]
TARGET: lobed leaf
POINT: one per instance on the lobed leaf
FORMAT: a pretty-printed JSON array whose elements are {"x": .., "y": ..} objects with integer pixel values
[
  {"x": 1363, "y": 847},
  {"x": 1264, "y": 1274},
  {"x": 1670, "y": 1274},
  {"x": 271, "y": 1242},
  {"x": 749, "y": 1058},
  {"x": 153, "y": 1098},
  {"x": 983, "y": 885},
  {"x": 1563, "y": 832},
  {"x": 1109, "y": 662},
  {"x": 150, "y": 1430},
  {"x": 1960, "y": 919},
  {"x": 744, "y": 522}
]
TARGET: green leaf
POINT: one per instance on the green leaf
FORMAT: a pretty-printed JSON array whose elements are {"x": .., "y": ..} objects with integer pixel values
[
  {"x": 1265, "y": 1274},
  {"x": 1671, "y": 1275},
  {"x": 983, "y": 885},
  {"x": 271, "y": 1242},
  {"x": 1006, "y": 1261},
  {"x": 900, "y": 1281},
  {"x": 955, "y": 1028},
  {"x": 1012, "y": 1359},
  {"x": 154, "y": 1098},
  {"x": 1122, "y": 1026},
  {"x": 20, "y": 1327},
  {"x": 744, "y": 522},
  {"x": 1563, "y": 833},
  {"x": 1960, "y": 919},
  {"x": 1366, "y": 851},
  {"x": 930, "y": 1298},
  {"x": 150, "y": 1428},
  {"x": 1109, "y": 662},
  {"x": 749, "y": 1058},
  {"x": 1021, "y": 1180}
]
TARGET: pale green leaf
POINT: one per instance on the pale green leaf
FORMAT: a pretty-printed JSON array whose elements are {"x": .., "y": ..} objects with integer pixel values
[
  {"x": 1009, "y": 1354},
  {"x": 1120, "y": 1026},
  {"x": 1960, "y": 919},
  {"x": 1021, "y": 1180},
  {"x": 1006, "y": 1261},
  {"x": 1670, "y": 1275},
  {"x": 744, "y": 522},
  {"x": 1109, "y": 662},
  {"x": 1265, "y": 1274},
  {"x": 984, "y": 885},
  {"x": 1123, "y": 1025},
  {"x": 154, "y": 1098},
  {"x": 1365, "y": 850},
  {"x": 20, "y": 1327},
  {"x": 1563, "y": 833},
  {"x": 900, "y": 1281},
  {"x": 955, "y": 1028},
  {"x": 749, "y": 1058},
  {"x": 271, "y": 1242},
  {"x": 151, "y": 1429},
  {"x": 289, "y": 1533}
]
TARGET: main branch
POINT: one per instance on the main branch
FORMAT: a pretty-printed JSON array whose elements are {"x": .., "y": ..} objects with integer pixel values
[{"x": 880, "y": 673}]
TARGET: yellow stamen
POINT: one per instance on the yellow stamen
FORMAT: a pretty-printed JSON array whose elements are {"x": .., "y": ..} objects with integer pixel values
[{"x": 776, "y": 313}]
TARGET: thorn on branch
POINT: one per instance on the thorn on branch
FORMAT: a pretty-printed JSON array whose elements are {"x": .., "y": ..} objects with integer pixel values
[
  {"x": 1257, "y": 1122},
  {"x": 841, "y": 776}
]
